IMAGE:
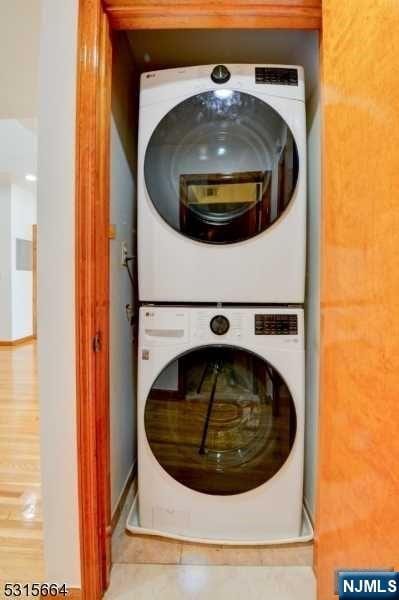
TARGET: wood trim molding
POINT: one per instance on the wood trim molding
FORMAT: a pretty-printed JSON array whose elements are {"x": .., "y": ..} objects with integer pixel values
[
  {"x": 194, "y": 14},
  {"x": 19, "y": 341},
  {"x": 92, "y": 294}
]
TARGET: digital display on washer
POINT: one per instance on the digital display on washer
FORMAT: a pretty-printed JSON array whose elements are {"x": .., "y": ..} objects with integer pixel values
[
  {"x": 266, "y": 324},
  {"x": 276, "y": 76}
]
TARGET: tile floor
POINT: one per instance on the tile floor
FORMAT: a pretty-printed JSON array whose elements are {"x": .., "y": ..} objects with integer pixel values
[
  {"x": 200, "y": 582},
  {"x": 147, "y": 567},
  {"x": 137, "y": 549}
]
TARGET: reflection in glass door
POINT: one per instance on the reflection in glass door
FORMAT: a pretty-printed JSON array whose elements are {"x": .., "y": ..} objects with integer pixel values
[
  {"x": 220, "y": 420},
  {"x": 221, "y": 167}
]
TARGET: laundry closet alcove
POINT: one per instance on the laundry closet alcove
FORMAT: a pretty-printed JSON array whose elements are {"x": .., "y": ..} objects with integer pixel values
[{"x": 288, "y": 33}]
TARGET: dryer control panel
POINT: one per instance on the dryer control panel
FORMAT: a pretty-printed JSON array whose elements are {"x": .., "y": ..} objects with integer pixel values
[{"x": 276, "y": 324}]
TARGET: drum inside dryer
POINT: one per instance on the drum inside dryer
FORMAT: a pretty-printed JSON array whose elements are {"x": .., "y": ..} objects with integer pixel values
[
  {"x": 220, "y": 420},
  {"x": 221, "y": 166}
]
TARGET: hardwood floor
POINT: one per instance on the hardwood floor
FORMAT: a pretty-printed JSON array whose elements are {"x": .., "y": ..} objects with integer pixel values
[{"x": 21, "y": 552}]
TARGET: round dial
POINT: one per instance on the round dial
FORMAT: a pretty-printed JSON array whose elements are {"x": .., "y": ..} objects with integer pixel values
[
  {"x": 220, "y": 325},
  {"x": 220, "y": 74}
]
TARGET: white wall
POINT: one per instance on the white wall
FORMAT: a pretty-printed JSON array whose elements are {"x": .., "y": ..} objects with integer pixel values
[
  {"x": 18, "y": 149},
  {"x": 19, "y": 35},
  {"x": 313, "y": 297},
  {"x": 23, "y": 216},
  {"x": 5, "y": 263},
  {"x": 122, "y": 393},
  {"x": 17, "y": 215},
  {"x": 56, "y": 289}
]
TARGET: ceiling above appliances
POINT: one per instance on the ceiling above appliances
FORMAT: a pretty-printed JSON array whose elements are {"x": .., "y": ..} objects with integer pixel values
[{"x": 162, "y": 49}]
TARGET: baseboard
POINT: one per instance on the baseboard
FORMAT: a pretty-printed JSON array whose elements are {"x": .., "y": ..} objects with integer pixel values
[
  {"x": 24, "y": 340},
  {"x": 73, "y": 594},
  {"x": 122, "y": 497}
]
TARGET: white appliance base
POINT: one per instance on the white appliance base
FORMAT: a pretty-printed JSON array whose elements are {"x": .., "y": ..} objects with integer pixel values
[{"x": 132, "y": 525}]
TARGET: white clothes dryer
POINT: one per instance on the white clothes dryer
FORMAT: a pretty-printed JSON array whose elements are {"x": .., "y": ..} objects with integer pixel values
[
  {"x": 221, "y": 422},
  {"x": 222, "y": 185}
]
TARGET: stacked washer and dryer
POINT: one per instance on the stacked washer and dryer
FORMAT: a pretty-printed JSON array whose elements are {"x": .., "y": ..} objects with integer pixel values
[{"x": 221, "y": 267}]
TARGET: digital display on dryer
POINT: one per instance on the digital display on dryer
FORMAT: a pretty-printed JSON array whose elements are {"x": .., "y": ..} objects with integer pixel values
[
  {"x": 276, "y": 324},
  {"x": 276, "y": 75}
]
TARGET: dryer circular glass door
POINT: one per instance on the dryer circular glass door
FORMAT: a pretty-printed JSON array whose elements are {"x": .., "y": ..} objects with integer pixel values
[
  {"x": 220, "y": 420},
  {"x": 221, "y": 167}
]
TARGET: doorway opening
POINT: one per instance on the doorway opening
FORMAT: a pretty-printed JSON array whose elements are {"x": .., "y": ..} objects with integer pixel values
[{"x": 135, "y": 52}]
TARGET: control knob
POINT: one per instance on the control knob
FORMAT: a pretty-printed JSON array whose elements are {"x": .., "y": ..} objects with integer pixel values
[
  {"x": 220, "y": 74},
  {"x": 220, "y": 325}
]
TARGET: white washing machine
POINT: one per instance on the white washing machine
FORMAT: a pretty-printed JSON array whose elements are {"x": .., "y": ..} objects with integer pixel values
[
  {"x": 222, "y": 184},
  {"x": 221, "y": 422}
]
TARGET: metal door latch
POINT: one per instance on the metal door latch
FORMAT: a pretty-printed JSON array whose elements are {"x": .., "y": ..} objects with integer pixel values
[{"x": 97, "y": 342}]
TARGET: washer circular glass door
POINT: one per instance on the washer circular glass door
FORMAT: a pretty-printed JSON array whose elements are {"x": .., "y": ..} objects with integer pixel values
[
  {"x": 220, "y": 420},
  {"x": 221, "y": 167}
]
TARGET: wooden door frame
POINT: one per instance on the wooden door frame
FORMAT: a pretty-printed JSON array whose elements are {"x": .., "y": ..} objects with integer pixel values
[
  {"x": 93, "y": 110},
  {"x": 93, "y": 115}
]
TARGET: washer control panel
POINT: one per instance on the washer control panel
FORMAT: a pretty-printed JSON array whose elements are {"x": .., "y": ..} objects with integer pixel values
[
  {"x": 276, "y": 324},
  {"x": 257, "y": 327}
]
